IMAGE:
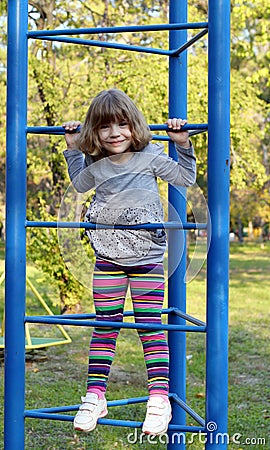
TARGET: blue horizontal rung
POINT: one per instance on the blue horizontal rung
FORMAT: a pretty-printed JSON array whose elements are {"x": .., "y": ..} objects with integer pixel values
[
  {"x": 53, "y": 413},
  {"x": 112, "y": 422},
  {"x": 36, "y": 414},
  {"x": 110, "y": 404},
  {"x": 98, "y": 226},
  {"x": 100, "y": 324},
  {"x": 133, "y": 424},
  {"x": 160, "y": 137},
  {"x": 58, "y": 130},
  {"x": 126, "y": 314},
  {"x": 106, "y": 44},
  {"x": 120, "y": 29},
  {"x": 128, "y": 47},
  {"x": 188, "y": 126},
  {"x": 171, "y": 310}
]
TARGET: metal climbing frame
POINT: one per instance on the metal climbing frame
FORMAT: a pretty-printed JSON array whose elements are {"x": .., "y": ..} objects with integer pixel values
[{"x": 216, "y": 327}]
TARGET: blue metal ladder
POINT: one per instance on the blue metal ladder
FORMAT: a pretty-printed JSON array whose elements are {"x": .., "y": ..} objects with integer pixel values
[{"x": 216, "y": 327}]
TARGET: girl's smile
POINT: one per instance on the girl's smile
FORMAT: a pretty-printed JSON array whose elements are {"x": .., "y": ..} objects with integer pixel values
[{"x": 115, "y": 137}]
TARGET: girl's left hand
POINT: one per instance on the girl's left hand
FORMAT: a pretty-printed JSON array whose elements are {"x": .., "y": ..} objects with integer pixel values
[
  {"x": 71, "y": 135},
  {"x": 182, "y": 137}
]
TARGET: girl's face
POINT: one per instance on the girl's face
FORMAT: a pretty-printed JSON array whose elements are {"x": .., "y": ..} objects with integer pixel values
[{"x": 115, "y": 137}]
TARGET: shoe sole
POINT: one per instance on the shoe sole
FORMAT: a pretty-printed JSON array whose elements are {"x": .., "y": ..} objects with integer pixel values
[{"x": 102, "y": 414}]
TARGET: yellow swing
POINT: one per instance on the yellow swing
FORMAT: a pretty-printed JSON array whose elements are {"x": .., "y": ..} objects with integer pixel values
[{"x": 37, "y": 342}]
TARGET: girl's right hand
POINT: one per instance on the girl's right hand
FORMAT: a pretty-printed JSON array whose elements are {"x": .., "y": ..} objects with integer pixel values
[{"x": 71, "y": 135}]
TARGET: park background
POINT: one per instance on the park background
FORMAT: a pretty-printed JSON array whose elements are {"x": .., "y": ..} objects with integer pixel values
[{"x": 62, "y": 81}]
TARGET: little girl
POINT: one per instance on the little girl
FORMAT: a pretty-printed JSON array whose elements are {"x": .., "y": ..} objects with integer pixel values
[{"x": 122, "y": 165}]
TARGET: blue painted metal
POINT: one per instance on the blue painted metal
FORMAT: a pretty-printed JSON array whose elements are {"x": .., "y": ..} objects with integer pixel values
[
  {"x": 218, "y": 195},
  {"x": 110, "y": 422},
  {"x": 218, "y": 198},
  {"x": 188, "y": 126},
  {"x": 105, "y": 44},
  {"x": 128, "y": 47},
  {"x": 122, "y": 29},
  {"x": 93, "y": 323},
  {"x": 110, "y": 403},
  {"x": 94, "y": 226},
  {"x": 54, "y": 414},
  {"x": 188, "y": 317},
  {"x": 161, "y": 127},
  {"x": 189, "y": 43},
  {"x": 176, "y": 311},
  {"x": 194, "y": 129},
  {"x": 176, "y": 244},
  {"x": 15, "y": 264},
  {"x": 126, "y": 314}
]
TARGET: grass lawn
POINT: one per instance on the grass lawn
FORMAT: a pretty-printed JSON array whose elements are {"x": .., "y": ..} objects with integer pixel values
[{"x": 56, "y": 377}]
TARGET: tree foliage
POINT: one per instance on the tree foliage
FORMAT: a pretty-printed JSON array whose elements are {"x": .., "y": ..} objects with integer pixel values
[{"x": 250, "y": 66}]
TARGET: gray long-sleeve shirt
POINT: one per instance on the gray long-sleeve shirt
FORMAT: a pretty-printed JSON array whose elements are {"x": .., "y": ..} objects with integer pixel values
[{"x": 127, "y": 194}]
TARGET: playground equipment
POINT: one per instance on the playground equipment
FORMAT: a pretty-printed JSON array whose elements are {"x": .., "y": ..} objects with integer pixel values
[
  {"x": 216, "y": 327},
  {"x": 34, "y": 342}
]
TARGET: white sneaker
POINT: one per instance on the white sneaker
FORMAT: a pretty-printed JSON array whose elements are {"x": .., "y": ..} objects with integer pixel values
[
  {"x": 158, "y": 416},
  {"x": 91, "y": 409}
]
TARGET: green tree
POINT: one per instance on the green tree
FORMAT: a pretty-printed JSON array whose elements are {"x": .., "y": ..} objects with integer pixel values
[{"x": 249, "y": 105}]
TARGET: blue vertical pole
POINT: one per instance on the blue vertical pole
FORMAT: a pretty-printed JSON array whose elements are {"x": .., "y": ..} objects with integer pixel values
[
  {"x": 176, "y": 246},
  {"x": 15, "y": 266},
  {"x": 218, "y": 198}
]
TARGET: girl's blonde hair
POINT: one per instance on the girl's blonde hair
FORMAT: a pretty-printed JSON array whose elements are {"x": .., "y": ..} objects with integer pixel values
[{"x": 110, "y": 106}]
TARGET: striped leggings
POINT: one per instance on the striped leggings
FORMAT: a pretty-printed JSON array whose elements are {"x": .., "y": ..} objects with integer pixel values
[{"x": 110, "y": 283}]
